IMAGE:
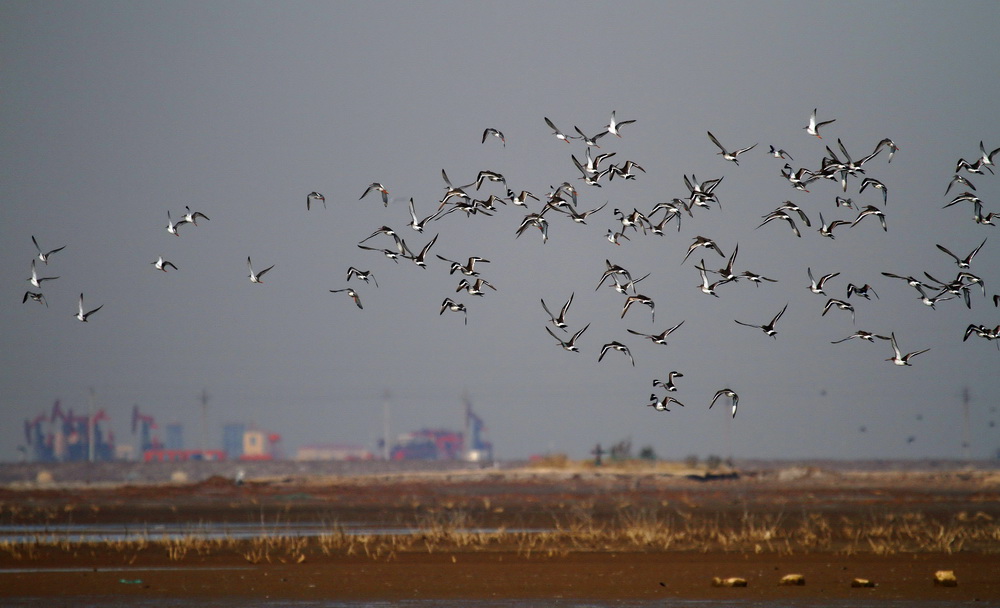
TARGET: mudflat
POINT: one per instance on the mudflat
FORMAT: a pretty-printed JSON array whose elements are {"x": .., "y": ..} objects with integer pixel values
[{"x": 609, "y": 533}]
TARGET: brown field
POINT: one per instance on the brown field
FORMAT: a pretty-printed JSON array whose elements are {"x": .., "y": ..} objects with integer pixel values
[{"x": 631, "y": 531}]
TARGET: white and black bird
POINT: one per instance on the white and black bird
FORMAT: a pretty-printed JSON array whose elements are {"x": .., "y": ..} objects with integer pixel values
[
  {"x": 37, "y": 280},
  {"x": 453, "y": 306},
  {"x": 495, "y": 133},
  {"x": 172, "y": 226},
  {"x": 560, "y": 320},
  {"x": 726, "y": 392},
  {"x": 83, "y": 316},
  {"x": 315, "y": 196},
  {"x": 841, "y": 304},
  {"x": 191, "y": 217},
  {"x": 364, "y": 275},
  {"x": 669, "y": 384},
  {"x": 726, "y": 154},
  {"x": 618, "y": 346},
  {"x": 377, "y": 187},
  {"x": 555, "y": 131},
  {"x": 965, "y": 262},
  {"x": 44, "y": 255},
  {"x": 36, "y": 296},
  {"x": 660, "y": 338},
  {"x": 813, "y": 127},
  {"x": 570, "y": 344},
  {"x": 615, "y": 124},
  {"x": 897, "y": 357},
  {"x": 352, "y": 294},
  {"x": 255, "y": 276},
  {"x": 768, "y": 328},
  {"x": 817, "y": 286},
  {"x": 161, "y": 264}
]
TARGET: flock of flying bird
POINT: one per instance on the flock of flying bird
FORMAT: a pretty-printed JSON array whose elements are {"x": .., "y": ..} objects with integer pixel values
[{"x": 562, "y": 201}]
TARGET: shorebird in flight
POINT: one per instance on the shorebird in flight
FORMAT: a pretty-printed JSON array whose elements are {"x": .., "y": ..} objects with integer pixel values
[
  {"x": 701, "y": 241},
  {"x": 559, "y": 321},
  {"x": 364, "y": 275},
  {"x": 841, "y": 304},
  {"x": 874, "y": 183},
  {"x": 353, "y": 295},
  {"x": 453, "y": 306},
  {"x": 660, "y": 405},
  {"x": 777, "y": 153},
  {"x": 871, "y": 210},
  {"x": 377, "y": 187},
  {"x": 817, "y": 286},
  {"x": 570, "y": 344},
  {"x": 255, "y": 277},
  {"x": 44, "y": 256},
  {"x": 476, "y": 288},
  {"x": 861, "y": 291},
  {"x": 38, "y": 297},
  {"x": 768, "y": 328},
  {"x": 614, "y": 124},
  {"x": 965, "y": 262},
  {"x": 590, "y": 141},
  {"x": 726, "y": 154},
  {"x": 555, "y": 131},
  {"x": 618, "y": 346},
  {"x": 35, "y": 279},
  {"x": 314, "y": 196},
  {"x": 726, "y": 392},
  {"x": 468, "y": 269},
  {"x": 640, "y": 299},
  {"x": 813, "y": 127},
  {"x": 669, "y": 384},
  {"x": 172, "y": 227},
  {"x": 83, "y": 316},
  {"x": 495, "y": 133},
  {"x": 162, "y": 264},
  {"x": 898, "y": 358},
  {"x": 660, "y": 338},
  {"x": 888, "y": 143},
  {"x": 191, "y": 217},
  {"x": 862, "y": 334}
]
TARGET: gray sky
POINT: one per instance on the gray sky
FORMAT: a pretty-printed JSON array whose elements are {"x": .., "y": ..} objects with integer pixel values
[{"x": 115, "y": 113}]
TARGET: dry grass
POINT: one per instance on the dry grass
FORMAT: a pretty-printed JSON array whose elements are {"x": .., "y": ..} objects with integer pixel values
[{"x": 631, "y": 529}]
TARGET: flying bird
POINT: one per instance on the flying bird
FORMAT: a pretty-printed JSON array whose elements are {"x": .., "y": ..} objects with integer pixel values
[
  {"x": 726, "y": 392},
  {"x": 898, "y": 358},
  {"x": 660, "y": 338},
  {"x": 38, "y": 297},
  {"x": 44, "y": 256},
  {"x": 495, "y": 133},
  {"x": 364, "y": 275},
  {"x": 37, "y": 280},
  {"x": 669, "y": 384},
  {"x": 255, "y": 277},
  {"x": 162, "y": 264},
  {"x": 965, "y": 262},
  {"x": 570, "y": 344},
  {"x": 614, "y": 124},
  {"x": 315, "y": 196},
  {"x": 559, "y": 321},
  {"x": 83, "y": 316},
  {"x": 453, "y": 306},
  {"x": 813, "y": 127},
  {"x": 377, "y": 187},
  {"x": 350, "y": 292},
  {"x": 618, "y": 346},
  {"x": 726, "y": 154},
  {"x": 555, "y": 131},
  {"x": 768, "y": 328},
  {"x": 191, "y": 217}
]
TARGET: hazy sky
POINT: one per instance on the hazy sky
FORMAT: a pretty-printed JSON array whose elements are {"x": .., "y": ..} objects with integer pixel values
[{"x": 114, "y": 114}]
